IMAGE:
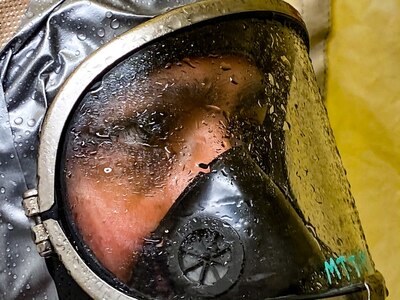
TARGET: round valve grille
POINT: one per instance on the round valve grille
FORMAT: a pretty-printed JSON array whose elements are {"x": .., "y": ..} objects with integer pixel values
[
  {"x": 205, "y": 257},
  {"x": 210, "y": 256}
]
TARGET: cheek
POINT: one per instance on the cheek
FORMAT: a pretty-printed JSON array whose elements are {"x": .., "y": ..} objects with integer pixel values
[{"x": 113, "y": 220}]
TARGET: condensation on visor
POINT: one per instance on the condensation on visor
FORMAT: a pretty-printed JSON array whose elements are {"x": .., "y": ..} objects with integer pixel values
[{"x": 153, "y": 122}]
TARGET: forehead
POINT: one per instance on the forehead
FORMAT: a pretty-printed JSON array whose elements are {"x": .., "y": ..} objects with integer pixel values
[
  {"x": 224, "y": 77},
  {"x": 192, "y": 82},
  {"x": 217, "y": 68}
]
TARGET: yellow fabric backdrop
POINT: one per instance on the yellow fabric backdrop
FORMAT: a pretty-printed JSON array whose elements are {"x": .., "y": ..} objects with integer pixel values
[{"x": 363, "y": 100}]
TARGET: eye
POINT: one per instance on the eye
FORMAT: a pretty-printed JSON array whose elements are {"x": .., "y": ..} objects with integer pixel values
[
  {"x": 133, "y": 135},
  {"x": 145, "y": 129}
]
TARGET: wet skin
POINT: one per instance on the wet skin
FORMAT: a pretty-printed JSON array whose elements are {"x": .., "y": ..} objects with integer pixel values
[{"x": 121, "y": 192}]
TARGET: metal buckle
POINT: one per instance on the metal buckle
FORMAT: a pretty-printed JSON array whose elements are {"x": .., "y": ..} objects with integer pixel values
[{"x": 39, "y": 233}]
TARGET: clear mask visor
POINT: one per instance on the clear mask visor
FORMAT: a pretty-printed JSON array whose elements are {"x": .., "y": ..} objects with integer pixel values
[{"x": 145, "y": 131}]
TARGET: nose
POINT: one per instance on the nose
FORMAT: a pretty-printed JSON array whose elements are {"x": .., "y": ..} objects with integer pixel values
[{"x": 204, "y": 137}]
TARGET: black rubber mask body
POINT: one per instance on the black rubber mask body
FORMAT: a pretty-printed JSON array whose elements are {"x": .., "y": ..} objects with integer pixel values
[{"x": 232, "y": 233}]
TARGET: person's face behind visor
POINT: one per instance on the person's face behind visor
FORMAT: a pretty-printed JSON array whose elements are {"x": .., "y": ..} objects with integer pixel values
[{"x": 155, "y": 139}]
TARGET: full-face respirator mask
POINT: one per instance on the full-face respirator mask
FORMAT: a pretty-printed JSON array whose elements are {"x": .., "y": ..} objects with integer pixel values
[{"x": 192, "y": 158}]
